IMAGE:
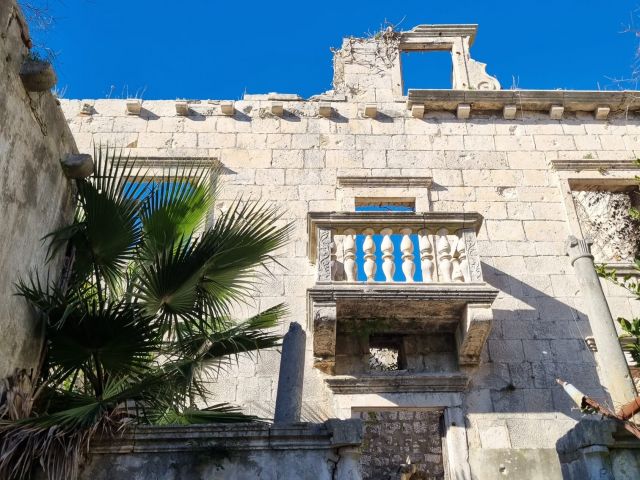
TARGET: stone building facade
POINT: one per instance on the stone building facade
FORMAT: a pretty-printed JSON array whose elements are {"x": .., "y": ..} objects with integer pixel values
[{"x": 456, "y": 204}]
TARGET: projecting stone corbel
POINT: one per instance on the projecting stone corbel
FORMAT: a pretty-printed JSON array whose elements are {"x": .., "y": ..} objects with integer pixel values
[
  {"x": 601, "y": 112},
  {"x": 227, "y": 108},
  {"x": 77, "y": 165},
  {"x": 277, "y": 109},
  {"x": 417, "y": 111},
  {"x": 463, "y": 111},
  {"x": 556, "y": 112},
  {"x": 37, "y": 75},
  {"x": 134, "y": 106},
  {"x": 324, "y": 317},
  {"x": 370, "y": 110},
  {"x": 325, "y": 110},
  {"x": 472, "y": 332},
  {"x": 182, "y": 108},
  {"x": 509, "y": 112}
]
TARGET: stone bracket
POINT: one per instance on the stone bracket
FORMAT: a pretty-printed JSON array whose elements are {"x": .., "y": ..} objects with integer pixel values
[
  {"x": 324, "y": 319},
  {"x": 472, "y": 332}
]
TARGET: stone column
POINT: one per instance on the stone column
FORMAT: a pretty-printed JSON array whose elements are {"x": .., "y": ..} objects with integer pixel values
[
  {"x": 612, "y": 365},
  {"x": 289, "y": 397}
]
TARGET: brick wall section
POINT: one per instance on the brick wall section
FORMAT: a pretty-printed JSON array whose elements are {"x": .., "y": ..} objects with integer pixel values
[
  {"x": 391, "y": 437},
  {"x": 499, "y": 168}
]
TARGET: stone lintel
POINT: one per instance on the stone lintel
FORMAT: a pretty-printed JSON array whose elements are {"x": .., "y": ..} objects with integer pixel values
[
  {"x": 385, "y": 182},
  {"x": 527, "y": 100},
  {"x": 472, "y": 332},
  {"x": 242, "y": 436},
  {"x": 436, "y": 37},
  {"x": 177, "y": 161},
  {"x": 432, "y": 221},
  {"x": 594, "y": 164},
  {"x": 604, "y": 184},
  {"x": 398, "y": 383}
]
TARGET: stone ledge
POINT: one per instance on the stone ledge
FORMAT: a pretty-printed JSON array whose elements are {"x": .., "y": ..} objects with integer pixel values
[
  {"x": 244, "y": 436},
  {"x": 427, "y": 292},
  {"x": 593, "y": 164},
  {"x": 527, "y": 100},
  {"x": 385, "y": 182},
  {"x": 400, "y": 382}
]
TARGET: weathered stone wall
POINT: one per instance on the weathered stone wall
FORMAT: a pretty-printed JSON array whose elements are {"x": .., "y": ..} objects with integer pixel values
[
  {"x": 393, "y": 438},
  {"x": 513, "y": 409},
  {"x": 35, "y": 197},
  {"x": 599, "y": 448},
  {"x": 245, "y": 451},
  {"x": 604, "y": 216}
]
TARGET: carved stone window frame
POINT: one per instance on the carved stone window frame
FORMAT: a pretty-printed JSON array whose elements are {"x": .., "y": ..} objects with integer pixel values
[
  {"x": 352, "y": 191},
  {"x": 599, "y": 175}
]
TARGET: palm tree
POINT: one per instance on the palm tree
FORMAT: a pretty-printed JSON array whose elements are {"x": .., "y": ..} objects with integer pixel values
[{"x": 142, "y": 319}]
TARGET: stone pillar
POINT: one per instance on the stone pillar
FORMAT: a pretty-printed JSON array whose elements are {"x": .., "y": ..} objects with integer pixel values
[
  {"x": 289, "y": 397},
  {"x": 612, "y": 365},
  {"x": 348, "y": 467}
]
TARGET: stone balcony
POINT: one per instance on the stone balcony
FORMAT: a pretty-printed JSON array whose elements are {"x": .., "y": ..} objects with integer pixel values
[{"x": 436, "y": 289}]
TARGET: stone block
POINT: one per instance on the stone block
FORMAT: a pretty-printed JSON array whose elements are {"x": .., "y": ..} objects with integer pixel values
[
  {"x": 556, "y": 112},
  {"x": 370, "y": 110},
  {"x": 601, "y": 112},
  {"x": 417, "y": 111},
  {"x": 509, "y": 112},
  {"x": 463, "y": 111}
]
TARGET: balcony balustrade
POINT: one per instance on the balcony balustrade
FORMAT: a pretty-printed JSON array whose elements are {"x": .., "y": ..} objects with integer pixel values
[
  {"x": 411, "y": 272},
  {"x": 439, "y": 247}
]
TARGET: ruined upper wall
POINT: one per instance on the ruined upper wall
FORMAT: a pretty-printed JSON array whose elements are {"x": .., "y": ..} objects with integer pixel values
[
  {"x": 34, "y": 194},
  {"x": 369, "y": 69}
]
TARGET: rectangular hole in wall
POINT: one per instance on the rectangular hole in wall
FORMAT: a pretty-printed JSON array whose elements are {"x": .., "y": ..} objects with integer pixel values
[
  {"x": 426, "y": 70},
  {"x": 385, "y": 354}
]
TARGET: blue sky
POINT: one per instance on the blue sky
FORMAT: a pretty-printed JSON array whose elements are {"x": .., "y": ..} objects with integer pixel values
[{"x": 221, "y": 49}]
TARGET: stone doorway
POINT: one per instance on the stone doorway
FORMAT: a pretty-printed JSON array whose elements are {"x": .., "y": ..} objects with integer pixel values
[{"x": 393, "y": 436}]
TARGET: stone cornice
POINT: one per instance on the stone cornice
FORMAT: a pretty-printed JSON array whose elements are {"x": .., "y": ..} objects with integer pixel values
[
  {"x": 439, "y": 292},
  {"x": 385, "y": 182},
  {"x": 594, "y": 164},
  {"x": 242, "y": 436},
  {"x": 526, "y": 100},
  {"x": 400, "y": 382},
  {"x": 176, "y": 161},
  {"x": 412, "y": 39}
]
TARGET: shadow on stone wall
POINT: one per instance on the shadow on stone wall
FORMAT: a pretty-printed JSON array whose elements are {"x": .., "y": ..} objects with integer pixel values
[{"x": 535, "y": 339}]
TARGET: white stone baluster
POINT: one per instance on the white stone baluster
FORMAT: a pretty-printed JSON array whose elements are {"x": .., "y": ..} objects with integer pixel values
[
  {"x": 462, "y": 258},
  {"x": 388, "y": 261},
  {"x": 443, "y": 251},
  {"x": 406, "y": 246},
  {"x": 349, "y": 246},
  {"x": 334, "y": 259},
  {"x": 426, "y": 256},
  {"x": 456, "y": 274},
  {"x": 369, "y": 248}
]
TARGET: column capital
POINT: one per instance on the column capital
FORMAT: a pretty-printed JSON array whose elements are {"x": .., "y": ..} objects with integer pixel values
[{"x": 578, "y": 248}]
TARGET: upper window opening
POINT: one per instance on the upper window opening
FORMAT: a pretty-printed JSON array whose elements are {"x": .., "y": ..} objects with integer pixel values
[
  {"x": 385, "y": 205},
  {"x": 426, "y": 70}
]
